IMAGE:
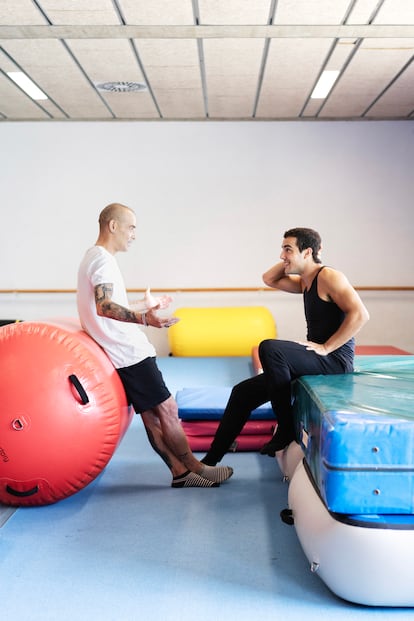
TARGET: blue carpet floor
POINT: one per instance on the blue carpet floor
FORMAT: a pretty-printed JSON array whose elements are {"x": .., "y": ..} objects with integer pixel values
[{"x": 129, "y": 547}]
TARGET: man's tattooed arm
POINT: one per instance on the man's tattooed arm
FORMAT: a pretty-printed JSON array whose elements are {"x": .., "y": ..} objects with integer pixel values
[{"x": 106, "y": 308}]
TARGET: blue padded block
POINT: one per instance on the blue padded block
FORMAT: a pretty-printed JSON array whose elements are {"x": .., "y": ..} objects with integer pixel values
[
  {"x": 358, "y": 435},
  {"x": 209, "y": 371},
  {"x": 208, "y": 403}
]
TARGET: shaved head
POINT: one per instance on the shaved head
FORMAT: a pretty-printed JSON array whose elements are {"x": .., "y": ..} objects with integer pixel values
[{"x": 114, "y": 211}]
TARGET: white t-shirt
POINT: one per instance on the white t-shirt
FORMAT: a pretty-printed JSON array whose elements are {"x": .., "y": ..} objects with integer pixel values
[{"x": 125, "y": 343}]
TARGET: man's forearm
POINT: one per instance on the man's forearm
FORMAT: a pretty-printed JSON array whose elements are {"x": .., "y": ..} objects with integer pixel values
[
  {"x": 348, "y": 329},
  {"x": 275, "y": 273},
  {"x": 112, "y": 310}
]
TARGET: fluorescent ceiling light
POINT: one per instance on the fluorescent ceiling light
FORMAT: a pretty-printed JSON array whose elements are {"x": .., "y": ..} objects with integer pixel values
[
  {"x": 324, "y": 84},
  {"x": 26, "y": 85}
]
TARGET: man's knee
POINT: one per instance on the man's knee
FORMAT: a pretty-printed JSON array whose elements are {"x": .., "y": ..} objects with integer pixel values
[
  {"x": 239, "y": 393},
  {"x": 167, "y": 410},
  {"x": 264, "y": 347},
  {"x": 269, "y": 347}
]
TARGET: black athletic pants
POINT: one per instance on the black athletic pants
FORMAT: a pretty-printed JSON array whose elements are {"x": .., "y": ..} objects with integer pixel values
[{"x": 282, "y": 362}]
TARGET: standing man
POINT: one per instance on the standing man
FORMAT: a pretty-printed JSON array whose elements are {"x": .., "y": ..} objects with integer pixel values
[
  {"x": 334, "y": 314},
  {"x": 106, "y": 316}
]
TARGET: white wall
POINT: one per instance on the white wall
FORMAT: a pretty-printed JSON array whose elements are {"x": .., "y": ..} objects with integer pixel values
[{"x": 213, "y": 201}]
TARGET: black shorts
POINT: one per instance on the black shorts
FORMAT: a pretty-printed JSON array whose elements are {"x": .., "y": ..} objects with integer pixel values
[{"x": 144, "y": 385}]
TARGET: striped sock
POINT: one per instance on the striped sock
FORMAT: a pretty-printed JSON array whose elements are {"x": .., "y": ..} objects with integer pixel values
[
  {"x": 216, "y": 473},
  {"x": 191, "y": 479}
]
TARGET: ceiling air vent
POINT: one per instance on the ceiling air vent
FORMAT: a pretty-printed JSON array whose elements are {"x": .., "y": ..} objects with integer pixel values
[{"x": 121, "y": 87}]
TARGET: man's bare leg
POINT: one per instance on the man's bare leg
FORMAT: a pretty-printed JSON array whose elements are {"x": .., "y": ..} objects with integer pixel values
[
  {"x": 181, "y": 476},
  {"x": 173, "y": 437}
]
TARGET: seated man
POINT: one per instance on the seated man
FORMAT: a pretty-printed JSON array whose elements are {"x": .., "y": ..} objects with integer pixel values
[{"x": 334, "y": 314}]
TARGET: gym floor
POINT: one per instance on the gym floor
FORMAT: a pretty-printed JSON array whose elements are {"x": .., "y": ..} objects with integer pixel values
[{"x": 130, "y": 547}]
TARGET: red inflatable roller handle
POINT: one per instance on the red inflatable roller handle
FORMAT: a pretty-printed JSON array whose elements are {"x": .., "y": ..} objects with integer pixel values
[
  {"x": 15, "y": 492},
  {"x": 80, "y": 389}
]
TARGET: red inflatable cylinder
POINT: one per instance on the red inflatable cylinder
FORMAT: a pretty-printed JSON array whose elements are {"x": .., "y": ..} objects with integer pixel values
[{"x": 63, "y": 411}]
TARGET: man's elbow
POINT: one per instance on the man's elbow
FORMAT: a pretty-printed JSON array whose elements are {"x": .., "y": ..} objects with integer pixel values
[
  {"x": 100, "y": 311},
  {"x": 268, "y": 281},
  {"x": 364, "y": 316}
]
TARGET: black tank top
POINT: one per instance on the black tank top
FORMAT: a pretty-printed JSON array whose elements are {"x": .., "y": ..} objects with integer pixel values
[{"x": 323, "y": 319}]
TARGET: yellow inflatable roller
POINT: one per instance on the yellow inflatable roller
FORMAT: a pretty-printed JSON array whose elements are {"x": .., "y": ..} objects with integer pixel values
[{"x": 224, "y": 331}]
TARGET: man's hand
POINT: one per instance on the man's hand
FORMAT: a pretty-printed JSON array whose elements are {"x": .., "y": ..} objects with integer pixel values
[
  {"x": 150, "y": 302},
  {"x": 162, "y": 302},
  {"x": 153, "y": 320},
  {"x": 153, "y": 302},
  {"x": 318, "y": 348}
]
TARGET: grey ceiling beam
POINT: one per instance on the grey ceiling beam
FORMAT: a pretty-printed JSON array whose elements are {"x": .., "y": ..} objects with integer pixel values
[{"x": 206, "y": 32}]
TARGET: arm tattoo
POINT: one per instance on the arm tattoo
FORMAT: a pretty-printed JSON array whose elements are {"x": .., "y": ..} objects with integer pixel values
[
  {"x": 103, "y": 295},
  {"x": 103, "y": 292}
]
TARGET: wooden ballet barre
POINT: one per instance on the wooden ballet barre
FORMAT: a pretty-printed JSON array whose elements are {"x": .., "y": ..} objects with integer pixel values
[{"x": 200, "y": 290}]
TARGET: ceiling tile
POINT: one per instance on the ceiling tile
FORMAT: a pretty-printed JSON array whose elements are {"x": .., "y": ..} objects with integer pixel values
[
  {"x": 79, "y": 12},
  {"x": 237, "y": 12},
  {"x": 106, "y": 59},
  {"x": 362, "y": 12},
  {"x": 396, "y": 12},
  {"x": 398, "y": 99},
  {"x": 180, "y": 103},
  {"x": 311, "y": 11},
  {"x": 20, "y": 12},
  {"x": 232, "y": 69},
  {"x": 155, "y": 12},
  {"x": 132, "y": 105},
  {"x": 173, "y": 71}
]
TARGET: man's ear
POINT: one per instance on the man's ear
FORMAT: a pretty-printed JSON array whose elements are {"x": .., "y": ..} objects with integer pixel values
[{"x": 112, "y": 224}]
